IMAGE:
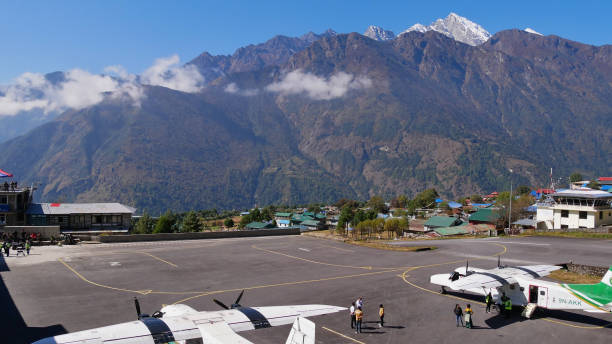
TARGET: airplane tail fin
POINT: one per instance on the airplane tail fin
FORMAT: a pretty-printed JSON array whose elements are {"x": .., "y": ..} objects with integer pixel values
[{"x": 302, "y": 332}]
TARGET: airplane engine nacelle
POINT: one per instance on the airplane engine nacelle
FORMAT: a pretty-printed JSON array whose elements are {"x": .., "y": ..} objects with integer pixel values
[{"x": 177, "y": 310}]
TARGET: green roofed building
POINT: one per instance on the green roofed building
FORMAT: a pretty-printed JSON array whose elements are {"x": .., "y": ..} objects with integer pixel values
[
  {"x": 446, "y": 231},
  {"x": 311, "y": 225},
  {"x": 441, "y": 221},
  {"x": 259, "y": 225},
  {"x": 485, "y": 215},
  {"x": 283, "y": 215}
]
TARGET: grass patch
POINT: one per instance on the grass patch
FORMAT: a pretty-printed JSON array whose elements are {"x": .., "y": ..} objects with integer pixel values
[
  {"x": 573, "y": 277},
  {"x": 377, "y": 244},
  {"x": 581, "y": 235}
]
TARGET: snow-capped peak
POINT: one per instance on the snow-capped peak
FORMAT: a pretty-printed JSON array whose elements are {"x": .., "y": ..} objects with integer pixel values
[
  {"x": 418, "y": 27},
  {"x": 530, "y": 30},
  {"x": 378, "y": 33},
  {"x": 457, "y": 27}
]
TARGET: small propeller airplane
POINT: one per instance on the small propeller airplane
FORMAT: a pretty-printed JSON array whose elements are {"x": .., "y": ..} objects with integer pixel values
[
  {"x": 181, "y": 324},
  {"x": 522, "y": 286}
]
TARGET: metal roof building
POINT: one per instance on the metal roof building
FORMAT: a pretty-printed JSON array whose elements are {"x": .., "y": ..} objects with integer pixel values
[{"x": 81, "y": 217}]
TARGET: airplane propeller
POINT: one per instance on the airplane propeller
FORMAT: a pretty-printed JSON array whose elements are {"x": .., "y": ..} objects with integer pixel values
[
  {"x": 156, "y": 314},
  {"x": 236, "y": 303}
]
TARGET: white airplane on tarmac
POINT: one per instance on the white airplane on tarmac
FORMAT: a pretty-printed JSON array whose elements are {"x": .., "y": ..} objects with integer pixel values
[
  {"x": 520, "y": 284},
  {"x": 181, "y": 324}
]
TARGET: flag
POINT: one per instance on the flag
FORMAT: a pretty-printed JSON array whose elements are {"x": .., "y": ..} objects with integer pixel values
[{"x": 5, "y": 174}]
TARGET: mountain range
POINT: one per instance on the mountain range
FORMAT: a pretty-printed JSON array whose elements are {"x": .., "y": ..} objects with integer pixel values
[{"x": 321, "y": 117}]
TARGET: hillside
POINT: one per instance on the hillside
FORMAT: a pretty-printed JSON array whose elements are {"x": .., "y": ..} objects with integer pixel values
[{"x": 347, "y": 116}]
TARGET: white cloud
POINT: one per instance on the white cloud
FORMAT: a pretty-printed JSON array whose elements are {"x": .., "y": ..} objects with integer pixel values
[
  {"x": 167, "y": 72},
  {"x": 80, "y": 89},
  {"x": 234, "y": 89},
  {"x": 320, "y": 88}
]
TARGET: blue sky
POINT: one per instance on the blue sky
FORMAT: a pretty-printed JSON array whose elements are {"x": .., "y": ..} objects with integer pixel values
[{"x": 45, "y": 36}]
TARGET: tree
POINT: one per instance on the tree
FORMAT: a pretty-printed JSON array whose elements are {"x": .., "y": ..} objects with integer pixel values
[
  {"x": 144, "y": 225},
  {"x": 391, "y": 226},
  {"x": 575, "y": 177},
  {"x": 229, "y": 223},
  {"x": 425, "y": 199},
  {"x": 593, "y": 185},
  {"x": 476, "y": 199},
  {"x": 518, "y": 206},
  {"x": 267, "y": 213},
  {"x": 346, "y": 216},
  {"x": 378, "y": 204},
  {"x": 523, "y": 190},
  {"x": 344, "y": 202},
  {"x": 165, "y": 223},
  {"x": 190, "y": 223}
]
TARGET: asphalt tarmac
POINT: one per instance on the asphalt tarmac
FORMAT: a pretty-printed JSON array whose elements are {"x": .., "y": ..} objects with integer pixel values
[{"x": 72, "y": 288}]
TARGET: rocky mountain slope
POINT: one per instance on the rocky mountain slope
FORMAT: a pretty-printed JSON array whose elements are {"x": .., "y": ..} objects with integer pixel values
[{"x": 347, "y": 116}]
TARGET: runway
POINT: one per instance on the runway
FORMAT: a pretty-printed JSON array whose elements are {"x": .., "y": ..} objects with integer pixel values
[{"x": 93, "y": 285}]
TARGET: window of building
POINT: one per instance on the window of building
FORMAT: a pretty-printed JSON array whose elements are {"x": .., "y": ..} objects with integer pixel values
[
  {"x": 564, "y": 227},
  {"x": 3, "y": 199},
  {"x": 564, "y": 213},
  {"x": 582, "y": 215},
  {"x": 601, "y": 215},
  {"x": 2, "y": 219}
]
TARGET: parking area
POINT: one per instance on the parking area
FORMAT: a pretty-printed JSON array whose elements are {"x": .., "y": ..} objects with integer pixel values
[{"x": 73, "y": 288}]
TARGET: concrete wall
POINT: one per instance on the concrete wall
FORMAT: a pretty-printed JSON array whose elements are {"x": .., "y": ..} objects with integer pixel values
[{"x": 193, "y": 236}]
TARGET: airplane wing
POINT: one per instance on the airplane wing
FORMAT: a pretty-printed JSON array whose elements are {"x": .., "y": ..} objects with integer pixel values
[
  {"x": 219, "y": 332},
  {"x": 501, "y": 276}
]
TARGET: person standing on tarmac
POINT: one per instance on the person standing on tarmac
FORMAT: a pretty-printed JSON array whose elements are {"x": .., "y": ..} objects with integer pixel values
[
  {"x": 358, "y": 318},
  {"x": 459, "y": 315},
  {"x": 468, "y": 316},
  {"x": 381, "y": 314},
  {"x": 352, "y": 310},
  {"x": 489, "y": 301},
  {"x": 28, "y": 245},
  {"x": 508, "y": 307}
]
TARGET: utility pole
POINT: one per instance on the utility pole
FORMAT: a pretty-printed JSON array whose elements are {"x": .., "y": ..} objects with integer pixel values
[{"x": 510, "y": 208}]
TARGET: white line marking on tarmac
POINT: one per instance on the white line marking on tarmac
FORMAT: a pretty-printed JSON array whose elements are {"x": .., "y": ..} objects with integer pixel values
[
  {"x": 304, "y": 249},
  {"x": 115, "y": 264},
  {"x": 519, "y": 243}
]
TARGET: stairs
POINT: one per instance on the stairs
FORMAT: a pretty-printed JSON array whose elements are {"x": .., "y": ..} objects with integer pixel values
[{"x": 529, "y": 309}]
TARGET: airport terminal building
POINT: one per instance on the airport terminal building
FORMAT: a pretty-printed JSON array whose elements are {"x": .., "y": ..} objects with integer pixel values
[
  {"x": 575, "y": 209},
  {"x": 81, "y": 217}
]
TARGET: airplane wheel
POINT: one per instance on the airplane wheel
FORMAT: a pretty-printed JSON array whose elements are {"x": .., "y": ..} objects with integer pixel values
[{"x": 442, "y": 290}]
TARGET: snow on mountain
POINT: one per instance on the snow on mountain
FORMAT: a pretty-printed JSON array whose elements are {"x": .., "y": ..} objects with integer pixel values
[
  {"x": 378, "y": 33},
  {"x": 457, "y": 27},
  {"x": 418, "y": 28},
  {"x": 530, "y": 30}
]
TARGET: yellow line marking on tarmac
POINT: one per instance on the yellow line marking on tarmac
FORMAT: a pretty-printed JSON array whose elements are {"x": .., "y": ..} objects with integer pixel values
[
  {"x": 155, "y": 257},
  {"x": 323, "y": 263},
  {"x": 341, "y": 335},
  {"x": 314, "y": 261},
  {"x": 141, "y": 292},
  {"x": 282, "y": 284},
  {"x": 337, "y": 248}
]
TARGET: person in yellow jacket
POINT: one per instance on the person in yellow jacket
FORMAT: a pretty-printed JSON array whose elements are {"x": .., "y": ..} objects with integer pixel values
[
  {"x": 468, "y": 316},
  {"x": 358, "y": 319},
  {"x": 508, "y": 307},
  {"x": 381, "y": 314}
]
